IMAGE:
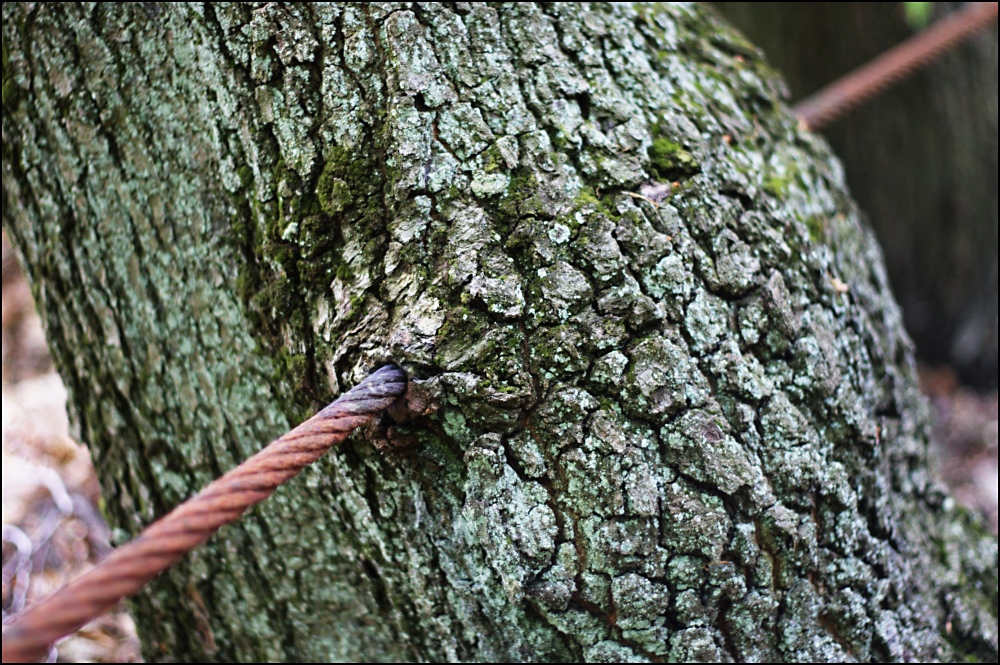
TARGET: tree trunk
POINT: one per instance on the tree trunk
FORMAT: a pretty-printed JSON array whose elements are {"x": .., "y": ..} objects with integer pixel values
[
  {"x": 677, "y": 414},
  {"x": 921, "y": 160}
]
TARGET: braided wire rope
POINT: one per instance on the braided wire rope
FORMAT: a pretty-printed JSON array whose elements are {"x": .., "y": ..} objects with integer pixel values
[
  {"x": 897, "y": 63},
  {"x": 130, "y": 567}
]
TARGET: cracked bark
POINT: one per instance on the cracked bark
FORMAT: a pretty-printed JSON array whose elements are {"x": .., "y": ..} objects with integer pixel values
[
  {"x": 921, "y": 160},
  {"x": 675, "y": 421}
]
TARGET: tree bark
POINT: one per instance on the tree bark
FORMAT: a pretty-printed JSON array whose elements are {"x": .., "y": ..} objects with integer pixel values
[
  {"x": 921, "y": 160},
  {"x": 676, "y": 409}
]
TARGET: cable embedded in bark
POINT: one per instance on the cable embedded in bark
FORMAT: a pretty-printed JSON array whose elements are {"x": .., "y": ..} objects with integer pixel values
[
  {"x": 897, "y": 63},
  {"x": 130, "y": 567}
]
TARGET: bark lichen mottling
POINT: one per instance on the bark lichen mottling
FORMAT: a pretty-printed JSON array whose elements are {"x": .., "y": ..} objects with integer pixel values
[{"x": 678, "y": 411}]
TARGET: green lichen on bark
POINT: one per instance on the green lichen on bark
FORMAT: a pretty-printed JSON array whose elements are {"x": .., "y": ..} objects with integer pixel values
[{"x": 665, "y": 431}]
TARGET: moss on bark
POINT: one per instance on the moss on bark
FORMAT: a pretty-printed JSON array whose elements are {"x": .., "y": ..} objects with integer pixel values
[{"x": 677, "y": 411}]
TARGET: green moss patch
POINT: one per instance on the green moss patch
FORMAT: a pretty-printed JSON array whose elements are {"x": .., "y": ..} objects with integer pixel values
[{"x": 670, "y": 162}]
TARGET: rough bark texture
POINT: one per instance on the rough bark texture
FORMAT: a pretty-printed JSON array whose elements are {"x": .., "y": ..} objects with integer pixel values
[
  {"x": 680, "y": 431},
  {"x": 921, "y": 160}
]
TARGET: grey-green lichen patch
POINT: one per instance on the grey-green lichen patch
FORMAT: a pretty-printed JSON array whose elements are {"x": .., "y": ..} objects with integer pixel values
[
  {"x": 485, "y": 185},
  {"x": 612, "y": 652},
  {"x": 695, "y": 645},
  {"x": 640, "y": 604},
  {"x": 678, "y": 425},
  {"x": 609, "y": 369},
  {"x": 562, "y": 291},
  {"x": 661, "y": 379},
  {"x": 696, "y": 523},
  {"x": 502, "y": 296},
  {"x": 698, "y": 444},
  {"x": 507, "y": 516}
]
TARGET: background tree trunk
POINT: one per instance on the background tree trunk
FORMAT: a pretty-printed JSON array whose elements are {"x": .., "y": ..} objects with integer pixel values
[
  {"x": 686, "y": 429},
  {"x": 921, "y": 160}
]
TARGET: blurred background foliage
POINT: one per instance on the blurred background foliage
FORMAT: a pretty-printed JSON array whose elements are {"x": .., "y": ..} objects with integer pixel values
[{"x": 918, "y": 14}]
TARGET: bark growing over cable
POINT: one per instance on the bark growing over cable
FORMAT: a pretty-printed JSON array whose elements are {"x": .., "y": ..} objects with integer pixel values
[{"x": 678, "y": 415}]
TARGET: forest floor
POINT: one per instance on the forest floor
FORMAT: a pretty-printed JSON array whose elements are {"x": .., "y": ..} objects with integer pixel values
[{"x": 52, "y": 525}]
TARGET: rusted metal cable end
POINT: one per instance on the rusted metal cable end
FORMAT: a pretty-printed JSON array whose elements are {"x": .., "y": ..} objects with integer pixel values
[
  {"x": 130, "y": 567},
  {"x": 892, "y": 66}
]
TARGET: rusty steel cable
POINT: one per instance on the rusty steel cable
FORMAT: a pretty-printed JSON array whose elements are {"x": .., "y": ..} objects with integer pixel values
[
  {"x": 128, "y": 569},
  {"x": 892, "y": 66}
]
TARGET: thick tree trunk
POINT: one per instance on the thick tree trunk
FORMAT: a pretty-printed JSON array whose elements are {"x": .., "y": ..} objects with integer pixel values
[
  {"x": 677, "y": 415},
  {"x": 921, "y": 160}
]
